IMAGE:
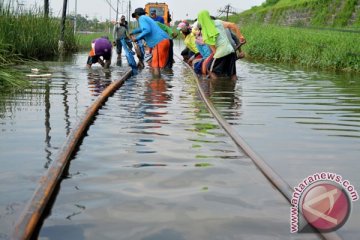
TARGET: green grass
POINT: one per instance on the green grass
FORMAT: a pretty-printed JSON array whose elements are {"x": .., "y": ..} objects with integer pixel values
[
  {"x": 33, "y": 36},
  {"x": 342, "y": 18},
  {"x": 326, "y": 49},
  {"x": 323, "y": 13},
  {"x": 9, "y": 76},
  {"x": 313, "y": 48},
  {"x": 288, "y": 3},
  {"x": 28, "y": 36}
]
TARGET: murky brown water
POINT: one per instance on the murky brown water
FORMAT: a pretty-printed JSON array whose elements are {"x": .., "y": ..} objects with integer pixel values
[{"x": 155, "y": 165}]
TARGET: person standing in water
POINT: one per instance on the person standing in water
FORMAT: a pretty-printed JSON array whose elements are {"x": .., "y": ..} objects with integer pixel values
[
  {"x": 214, "y": 35},
  {"x": 120, "y": 31},
  {"x": 155, "y": 38}
]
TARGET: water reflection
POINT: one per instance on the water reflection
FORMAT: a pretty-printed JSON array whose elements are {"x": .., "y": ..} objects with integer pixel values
[
  {"x": 65, "y": 93},
  {"x": 221, "y": 91},
  {"x": 330, "y": 105},
  {"x": 156, "y": 97},
  {"x": 166, "y": 234},
  {"x": 224, "y": 88},
  {"x": 68, "y": 231},
  {"x": 153, "y": 111},
  {"x": 98, "y": 80},
  {"x": 309, "y": 113},
  {"x": 48, "y": 151}
]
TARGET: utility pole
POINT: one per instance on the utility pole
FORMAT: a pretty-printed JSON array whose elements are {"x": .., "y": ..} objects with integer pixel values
[
  {"x": 122, "y": 8},
  {"x": 117, "y": 10},
  {"x": 75, "y": 17},
  {"x": 129, "y": 13},
  {"x": 62, "y": 29},
  {"x": 227, "y": 9},
  {"x": 110, "y": 17},
  {"x": 19, "y": 7},
  {"x": 46, "y": 8}
]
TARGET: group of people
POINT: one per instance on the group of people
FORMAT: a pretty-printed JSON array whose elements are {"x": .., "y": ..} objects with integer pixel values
[{"x": 212, "y": 45}]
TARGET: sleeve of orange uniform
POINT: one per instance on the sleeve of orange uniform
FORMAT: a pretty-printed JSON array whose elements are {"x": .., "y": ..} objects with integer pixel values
[{"x": 92, "y": 52}]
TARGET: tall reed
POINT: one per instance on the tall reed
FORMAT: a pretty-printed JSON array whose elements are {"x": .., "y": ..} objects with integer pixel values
[
  {"x": 28, "y": 35},
  {"x": 31, "y": 34},
  {"x": 9, "y": 76}
]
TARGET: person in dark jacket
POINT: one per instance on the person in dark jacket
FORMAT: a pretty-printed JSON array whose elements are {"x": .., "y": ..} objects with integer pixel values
[{"x": 121, "y": 30}]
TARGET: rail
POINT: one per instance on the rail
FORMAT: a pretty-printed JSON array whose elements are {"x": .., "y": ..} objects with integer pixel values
[
  {"x": 33, "y": 212},
  {"x": 274, "y": 178}
]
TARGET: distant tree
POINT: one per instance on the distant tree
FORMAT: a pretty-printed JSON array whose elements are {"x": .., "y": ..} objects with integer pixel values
[{"x": 83, "y": 23}]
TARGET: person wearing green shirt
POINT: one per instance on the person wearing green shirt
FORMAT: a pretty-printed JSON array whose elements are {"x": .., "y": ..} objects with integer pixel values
[{"x": 214, "y": 35}]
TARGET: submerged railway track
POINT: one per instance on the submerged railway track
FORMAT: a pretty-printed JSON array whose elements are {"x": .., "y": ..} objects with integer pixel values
[{"x": 33, "y": 214}]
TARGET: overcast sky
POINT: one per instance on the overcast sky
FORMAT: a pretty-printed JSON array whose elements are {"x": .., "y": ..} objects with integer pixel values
[{"x": 180, "y": 9}]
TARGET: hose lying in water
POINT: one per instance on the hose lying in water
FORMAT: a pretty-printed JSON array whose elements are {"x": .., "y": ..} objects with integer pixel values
[
  {"x": 34, "y": 210},
  {"x": 274, "y": 178}
]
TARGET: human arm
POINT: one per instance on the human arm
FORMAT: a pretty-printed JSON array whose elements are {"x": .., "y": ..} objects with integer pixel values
[
  {"x": 136, "y": 31},
  {"x": 165, "y": 28},
  {"x": 234, "y": 28},
  {"x": 144, "y": 28}
]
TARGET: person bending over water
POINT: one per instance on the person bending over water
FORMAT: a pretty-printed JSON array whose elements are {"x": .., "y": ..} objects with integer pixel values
[
  {"x": 101, "y": 50},
  {"x": 214, "y": 35}
]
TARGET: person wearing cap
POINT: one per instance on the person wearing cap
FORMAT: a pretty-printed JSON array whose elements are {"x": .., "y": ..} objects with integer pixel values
[
  {"x": 191, "y": 52},
  {"x": 155, "y": 38},
  {"x": 214, "y": 35},
  {"x": 120, "y": 31},
  {"x": 101, "y": 49},
  {"x": 155, "y": 17}
]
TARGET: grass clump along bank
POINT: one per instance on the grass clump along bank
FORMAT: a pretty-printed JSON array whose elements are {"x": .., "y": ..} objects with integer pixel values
[
  {"x": 28, "y": 35},
  {"x": 308, "y": 47}
]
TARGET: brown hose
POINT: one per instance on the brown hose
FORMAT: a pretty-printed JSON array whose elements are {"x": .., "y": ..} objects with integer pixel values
[
  {"x": 274, "y": 178},
  {"x": 31, "y": 215}
]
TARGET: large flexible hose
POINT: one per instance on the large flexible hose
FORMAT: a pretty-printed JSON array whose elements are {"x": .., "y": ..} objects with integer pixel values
[
  {"x": 274, "y": 178},
  {"x": 34, "y": 210}
]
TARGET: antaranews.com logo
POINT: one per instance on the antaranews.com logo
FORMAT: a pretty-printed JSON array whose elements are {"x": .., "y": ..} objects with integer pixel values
[{"x": 322, "y": 200}]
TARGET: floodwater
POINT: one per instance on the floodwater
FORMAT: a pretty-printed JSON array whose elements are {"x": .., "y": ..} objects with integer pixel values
[{"x": 155, "y": 165}]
